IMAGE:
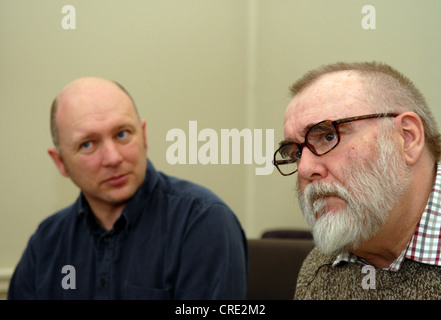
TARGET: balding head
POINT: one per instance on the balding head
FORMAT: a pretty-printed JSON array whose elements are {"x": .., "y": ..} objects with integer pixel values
[{"x": 91, "y": 86}]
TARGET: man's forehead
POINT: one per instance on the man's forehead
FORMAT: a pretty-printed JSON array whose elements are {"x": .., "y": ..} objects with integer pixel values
[
  {"x": 90, "y": 92},
  {"x": 89, "y": 101},
  {"x": 331, "y": 88},
  {"x": 331, "y": 97}
]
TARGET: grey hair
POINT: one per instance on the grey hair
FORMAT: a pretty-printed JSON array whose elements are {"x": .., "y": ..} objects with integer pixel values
[{"x": 386, "y": 90}]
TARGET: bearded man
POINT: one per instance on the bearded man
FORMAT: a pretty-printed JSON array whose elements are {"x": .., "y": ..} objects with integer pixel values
[{"x": 365, "y": 146}]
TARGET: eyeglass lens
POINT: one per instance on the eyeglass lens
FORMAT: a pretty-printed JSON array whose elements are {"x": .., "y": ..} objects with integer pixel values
[{"x": 320, "y": 139}]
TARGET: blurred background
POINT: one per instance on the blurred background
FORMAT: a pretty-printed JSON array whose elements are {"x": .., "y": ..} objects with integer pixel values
[{"x": 223, "y": 63}]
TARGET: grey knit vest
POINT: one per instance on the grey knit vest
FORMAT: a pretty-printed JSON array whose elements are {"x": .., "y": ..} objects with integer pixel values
[{"x": 318, "y": 279}]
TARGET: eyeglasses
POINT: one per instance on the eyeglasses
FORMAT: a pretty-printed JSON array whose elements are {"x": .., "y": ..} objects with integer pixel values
[{"x": 320, "y": 138}]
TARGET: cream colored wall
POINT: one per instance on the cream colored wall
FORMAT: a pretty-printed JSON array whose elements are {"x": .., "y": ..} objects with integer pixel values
[{"x": 224, "y": 63}]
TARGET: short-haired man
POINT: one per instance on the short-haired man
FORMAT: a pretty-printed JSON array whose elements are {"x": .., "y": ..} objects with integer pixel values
[
  {"x": 365, "y": 147},
  {"x": 134, "y": 232}
]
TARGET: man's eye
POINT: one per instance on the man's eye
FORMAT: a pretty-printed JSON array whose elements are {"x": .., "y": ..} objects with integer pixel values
[
  {"x": 86, "y": 145},
  {"x": 329, "y": 136},
  {"x": 291, "y": 152},
  {"x": 122, "y": 134}
]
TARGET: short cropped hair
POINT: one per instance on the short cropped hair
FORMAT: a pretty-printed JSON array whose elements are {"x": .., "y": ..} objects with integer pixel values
[{"x": 386, "y": 90}]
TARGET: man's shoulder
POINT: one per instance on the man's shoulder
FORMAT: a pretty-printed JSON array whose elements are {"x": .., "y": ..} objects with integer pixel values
[
  {"x": 187, "y": 190},
  {"x": 55, "y": 223},
  {"x": 314, "y": 261}
]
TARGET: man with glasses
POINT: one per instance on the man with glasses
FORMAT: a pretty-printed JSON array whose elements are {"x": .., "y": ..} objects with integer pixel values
[{"x": 364, "y": 148}]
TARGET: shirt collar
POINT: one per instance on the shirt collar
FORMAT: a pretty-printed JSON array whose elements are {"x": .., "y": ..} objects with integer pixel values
[
  {"x": 131, "y": 211},
  {"x": 425, "y": 245},
  {"x": 134, "y": 207}
]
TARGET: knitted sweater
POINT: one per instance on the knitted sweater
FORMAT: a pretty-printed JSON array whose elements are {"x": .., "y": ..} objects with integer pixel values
[{"x": 318, "y": 279}]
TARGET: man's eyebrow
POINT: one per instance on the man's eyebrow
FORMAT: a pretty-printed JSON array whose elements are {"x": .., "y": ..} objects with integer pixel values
[
  {"x": 307, "y": 128},
  {"x": 83, "y": 137},
  {"x": 285, "y": 142},
  {"x": 129, "y": 126},
  {"x": 303, "y": 133}
]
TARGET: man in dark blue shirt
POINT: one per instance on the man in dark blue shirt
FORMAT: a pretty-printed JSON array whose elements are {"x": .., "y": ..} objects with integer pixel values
[{"x": 134, "y": 232}]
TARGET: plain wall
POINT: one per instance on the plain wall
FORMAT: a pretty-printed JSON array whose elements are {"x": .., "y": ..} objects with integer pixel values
[{"x": 223, "y": 63}]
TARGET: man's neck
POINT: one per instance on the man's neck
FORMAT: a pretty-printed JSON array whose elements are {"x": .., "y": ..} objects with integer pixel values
[{"x": 386, "y": 247}]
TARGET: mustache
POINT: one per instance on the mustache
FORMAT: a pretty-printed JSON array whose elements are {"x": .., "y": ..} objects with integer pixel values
[{"x": 318, "y": 190}]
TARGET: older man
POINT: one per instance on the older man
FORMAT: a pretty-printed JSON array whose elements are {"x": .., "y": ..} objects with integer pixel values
[
  {"x": 133, "y": 233},
  {"x": 365, "y": 147}
]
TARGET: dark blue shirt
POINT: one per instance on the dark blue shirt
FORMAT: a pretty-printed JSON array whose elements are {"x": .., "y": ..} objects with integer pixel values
[{"x": 173, "y": 240}]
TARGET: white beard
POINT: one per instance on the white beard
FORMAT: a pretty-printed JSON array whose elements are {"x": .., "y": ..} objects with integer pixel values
[{"x": 372, "y": 189}]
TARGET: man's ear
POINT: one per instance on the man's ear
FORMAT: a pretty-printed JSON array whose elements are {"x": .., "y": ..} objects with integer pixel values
[
  {"x": 58, "y": 160},
  {"x": 144, "y": 132},
  {"x": 411, "y": 129}
]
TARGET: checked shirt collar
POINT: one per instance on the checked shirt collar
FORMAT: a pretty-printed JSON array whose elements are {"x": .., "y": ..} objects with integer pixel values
[{"x": 425, "y": 245}]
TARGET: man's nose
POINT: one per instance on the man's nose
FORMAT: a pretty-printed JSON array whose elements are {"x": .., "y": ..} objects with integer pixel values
[
  {"x": 111, "y": 154},
  {"x": 310, "y": 166}
]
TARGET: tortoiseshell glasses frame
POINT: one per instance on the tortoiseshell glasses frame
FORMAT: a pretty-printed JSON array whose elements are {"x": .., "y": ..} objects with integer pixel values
[{"x": 320, "y": 139}]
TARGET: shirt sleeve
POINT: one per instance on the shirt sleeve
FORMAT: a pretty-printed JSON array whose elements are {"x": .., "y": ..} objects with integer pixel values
[
  {"x": 22, "y": 285},
  {"x": 214, "y": 257}
]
